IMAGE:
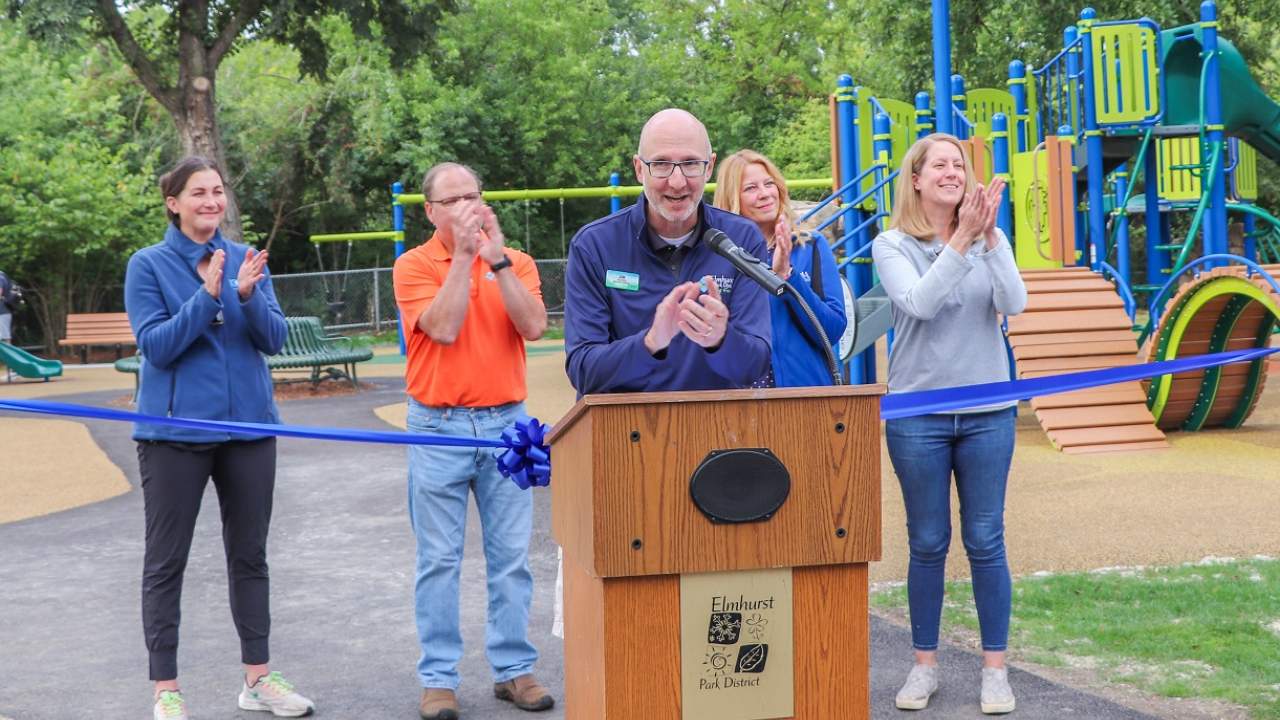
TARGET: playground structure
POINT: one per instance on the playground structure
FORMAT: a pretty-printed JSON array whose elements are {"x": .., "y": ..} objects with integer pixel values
[{"x": 1123, "y": 105}]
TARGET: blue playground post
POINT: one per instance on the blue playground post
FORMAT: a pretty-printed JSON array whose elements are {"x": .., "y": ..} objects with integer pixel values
[
  {"x": 397, "y": 217},
  {"x": 1092, "y": 145},
  {"x": 958, "y": 126},
  {"x": 881, "y": 140},
  {"x": 942, "y": 62},
  {"x": 615, "y": 201},
  {"x": 1157, "y": 259},
  {"x": 1018, "y": 89},
  {"x": 846, "y": 118},
  {"x": 1215, "y": 225},
  {"x": 1250, "y": 238},
  {"x": 1121, "y": 215},
  {"x": 1071, "y": 83},
  {"x": 397, "y": 224},
  {"x": 1000, "y": 164},
  {"x": 924, "y": 115}
]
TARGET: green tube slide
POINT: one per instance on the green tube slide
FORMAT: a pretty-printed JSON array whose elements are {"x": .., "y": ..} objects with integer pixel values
[{"x": 1247, "y": 112}]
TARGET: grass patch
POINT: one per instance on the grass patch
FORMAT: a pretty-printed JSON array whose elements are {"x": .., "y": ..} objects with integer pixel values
[{"x": 1208, "y": 630}]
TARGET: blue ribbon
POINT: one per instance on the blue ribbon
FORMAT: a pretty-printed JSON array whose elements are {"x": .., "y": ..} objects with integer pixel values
[
  {"x": 525, "y": 457},
  {"x": 908, "y": 404}
]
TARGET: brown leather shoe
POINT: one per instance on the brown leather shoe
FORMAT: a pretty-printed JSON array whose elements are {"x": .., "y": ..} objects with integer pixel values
[
  {"x": 525, "y": 692},
  {"x": 438, "y": 704}
]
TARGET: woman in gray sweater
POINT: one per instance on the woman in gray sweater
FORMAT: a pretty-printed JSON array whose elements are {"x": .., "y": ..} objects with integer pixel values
[{"x": 950, "y": 274}]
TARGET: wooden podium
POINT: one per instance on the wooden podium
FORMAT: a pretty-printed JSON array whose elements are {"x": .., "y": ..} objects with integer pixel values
[{"x": 623, "y": 513}]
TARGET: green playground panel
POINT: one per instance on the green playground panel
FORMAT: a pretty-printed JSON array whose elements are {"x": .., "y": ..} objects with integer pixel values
[
  {"x": 902, "y": 131},
  {"x": 1021, "y": 188},
  {"x": 981, "y": 104},
  {"x": 1244, "y": 180},
  {"x": 1179, "y": 185},
  {"x": 1127, "y": 89}
]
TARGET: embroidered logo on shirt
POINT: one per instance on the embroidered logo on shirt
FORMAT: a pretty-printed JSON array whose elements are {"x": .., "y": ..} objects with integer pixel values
[
  {"x": 725, "y": 283},
  {"x": 622, "y": 280},
  {"x": 805, "y": 274}
]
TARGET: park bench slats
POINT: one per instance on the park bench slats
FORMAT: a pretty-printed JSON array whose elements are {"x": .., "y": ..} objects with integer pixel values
[{"x": 305, "y": 346}]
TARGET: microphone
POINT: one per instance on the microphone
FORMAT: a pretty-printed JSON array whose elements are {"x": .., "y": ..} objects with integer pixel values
[{"x": 744, "y": 261}]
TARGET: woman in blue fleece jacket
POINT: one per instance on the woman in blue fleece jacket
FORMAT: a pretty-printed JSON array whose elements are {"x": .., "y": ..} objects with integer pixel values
[
  {"x": 751, "y": 185},
  {"x": 204, "y": 313}
]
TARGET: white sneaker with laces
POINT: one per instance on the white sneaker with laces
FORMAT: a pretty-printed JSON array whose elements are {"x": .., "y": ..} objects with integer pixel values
[
  {"x": 169, "y": 706},
  {"x": 274, "y": 694},
  {"x": 921, "y": 684},
  {"x": 997, "y": 696}
]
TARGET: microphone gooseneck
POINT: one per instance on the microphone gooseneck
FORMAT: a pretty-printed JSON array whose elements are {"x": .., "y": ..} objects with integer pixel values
[
  {"x": 752, "y": 267},
  {"x": 745, "y": 262}
]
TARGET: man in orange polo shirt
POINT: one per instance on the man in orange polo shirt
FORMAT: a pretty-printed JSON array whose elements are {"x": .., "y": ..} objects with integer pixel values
[{"x": 467, "y": 305}]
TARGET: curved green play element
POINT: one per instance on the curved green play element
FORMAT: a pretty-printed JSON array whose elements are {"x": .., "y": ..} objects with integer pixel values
[
  {"x": 1241, "y": 294},
  {"x": 1247, "y": 112},
  {"x": 26, "y": 365}
]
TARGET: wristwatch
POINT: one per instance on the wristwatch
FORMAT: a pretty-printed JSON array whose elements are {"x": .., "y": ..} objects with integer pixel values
[{"x": 502, "y": 264}]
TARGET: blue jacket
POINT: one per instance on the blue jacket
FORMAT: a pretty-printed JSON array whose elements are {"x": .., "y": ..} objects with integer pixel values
[
  {"x": 604, "y": 327},
  {"x": 192, "y": 367},
  {"x": 797, "y": 359}
]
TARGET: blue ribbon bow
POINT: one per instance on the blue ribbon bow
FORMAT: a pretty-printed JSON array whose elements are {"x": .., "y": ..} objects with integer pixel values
[{"x": 524, "y": 456}]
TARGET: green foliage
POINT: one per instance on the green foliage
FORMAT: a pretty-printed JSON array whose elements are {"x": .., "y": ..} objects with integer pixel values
[
  {"x": 321, "y": 108},
  {"x": 76, "y": 194}
]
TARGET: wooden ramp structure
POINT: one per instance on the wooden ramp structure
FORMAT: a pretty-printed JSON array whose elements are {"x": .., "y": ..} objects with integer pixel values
[
  {"x": 1219, "y": 310},
  {"x": 1075, "y": 321}
]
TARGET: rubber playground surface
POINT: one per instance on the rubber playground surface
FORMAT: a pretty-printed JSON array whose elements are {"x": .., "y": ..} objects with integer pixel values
[{"x": 342, "y": 558}]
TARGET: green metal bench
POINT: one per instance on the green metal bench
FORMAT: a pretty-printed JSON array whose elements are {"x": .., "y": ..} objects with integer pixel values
[{"x": 306, "y": 346}]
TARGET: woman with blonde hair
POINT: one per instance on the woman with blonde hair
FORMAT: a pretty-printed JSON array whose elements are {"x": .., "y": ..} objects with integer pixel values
[
  {"x": 950, "y": 274},
  {"x": 751, "y": 185}
]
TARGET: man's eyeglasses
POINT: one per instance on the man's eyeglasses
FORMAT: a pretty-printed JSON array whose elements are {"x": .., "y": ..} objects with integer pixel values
[
  {"x": 664, "y": 168},
  {"x": 451, "y": 201}
]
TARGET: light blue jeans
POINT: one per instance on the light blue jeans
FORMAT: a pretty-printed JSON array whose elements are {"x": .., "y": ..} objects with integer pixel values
[
  {"x": 926, "y": 450},
  {"x": 440, "y": 480}
]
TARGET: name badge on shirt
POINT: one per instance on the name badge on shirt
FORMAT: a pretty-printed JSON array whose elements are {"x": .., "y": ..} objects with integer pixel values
[{"x": 621, "y": 280}]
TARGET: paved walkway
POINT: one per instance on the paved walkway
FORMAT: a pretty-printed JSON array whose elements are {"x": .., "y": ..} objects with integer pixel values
[{"x": 342, "y": 556}]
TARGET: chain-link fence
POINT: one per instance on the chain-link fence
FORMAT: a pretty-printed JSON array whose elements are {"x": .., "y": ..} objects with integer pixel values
[{"x": 365, "y": 299}]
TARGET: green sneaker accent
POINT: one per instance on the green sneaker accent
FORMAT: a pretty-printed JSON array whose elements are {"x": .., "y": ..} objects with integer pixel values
[{"x": 170, "y": 706}]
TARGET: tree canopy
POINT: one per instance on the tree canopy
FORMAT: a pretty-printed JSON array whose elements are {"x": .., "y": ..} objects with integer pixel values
[{"x": 321, "y": 106}]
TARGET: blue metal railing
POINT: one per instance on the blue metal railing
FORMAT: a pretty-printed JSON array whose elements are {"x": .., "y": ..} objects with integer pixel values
[{"x": 1122, "y": 287}]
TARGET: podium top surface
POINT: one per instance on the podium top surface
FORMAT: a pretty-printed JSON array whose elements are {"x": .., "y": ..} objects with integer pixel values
[{"x": 696, "y": 396}]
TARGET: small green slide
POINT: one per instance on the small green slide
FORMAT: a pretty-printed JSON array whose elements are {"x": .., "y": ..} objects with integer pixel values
[
  {"x": 1247, "y": 112},
  {"x": 26, "y": 365}
]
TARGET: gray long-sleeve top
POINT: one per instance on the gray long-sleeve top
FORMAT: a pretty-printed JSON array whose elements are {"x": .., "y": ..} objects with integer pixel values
[{"x": 946, "y": 309}]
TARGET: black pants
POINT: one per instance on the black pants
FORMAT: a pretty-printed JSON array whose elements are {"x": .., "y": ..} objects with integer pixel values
[{"x": 173, "y": 481}]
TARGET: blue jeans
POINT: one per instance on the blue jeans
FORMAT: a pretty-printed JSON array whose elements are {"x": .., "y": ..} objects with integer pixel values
[
  {"x": 925, "y": 451},
  {"x": 440, "y": 480}
]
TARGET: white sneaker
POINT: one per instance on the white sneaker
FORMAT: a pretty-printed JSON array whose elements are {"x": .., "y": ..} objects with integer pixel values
[
  {"x": 921, "y": 684},
  {"x": 997, "y": 696},
  {"x": 275, "y": 694},
  {"x": 169, "y": 706}
]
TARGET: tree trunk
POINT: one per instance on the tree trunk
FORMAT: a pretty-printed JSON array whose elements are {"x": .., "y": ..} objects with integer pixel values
[
  {"x": 197, "y": 124},
  {"x": 191, "y": 101}
]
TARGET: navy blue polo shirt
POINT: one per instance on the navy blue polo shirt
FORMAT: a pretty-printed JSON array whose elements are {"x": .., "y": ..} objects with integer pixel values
[{"x": 613, "y": 285}]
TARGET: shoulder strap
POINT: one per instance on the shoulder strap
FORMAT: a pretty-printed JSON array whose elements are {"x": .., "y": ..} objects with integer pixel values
[{"x": 816, "y": 271}]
